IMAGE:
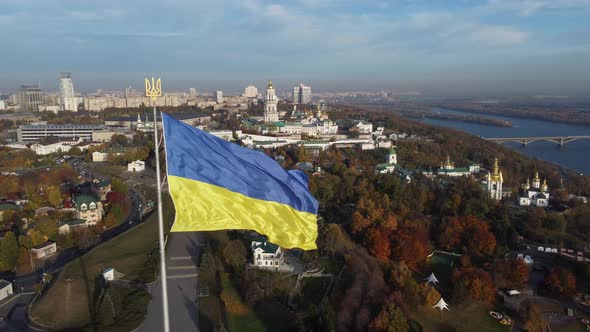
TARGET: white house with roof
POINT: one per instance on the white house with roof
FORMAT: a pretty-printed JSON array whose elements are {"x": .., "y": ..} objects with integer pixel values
[
  {"x": 44, "y": 250},
  {"x": 363, "y": 127},
  {"x": 65, "y": 226},
  {"x": 267, "y": 255}
]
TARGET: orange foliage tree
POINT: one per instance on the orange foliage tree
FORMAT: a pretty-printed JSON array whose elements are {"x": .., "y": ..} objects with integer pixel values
[{"x": 468, "y": 234}]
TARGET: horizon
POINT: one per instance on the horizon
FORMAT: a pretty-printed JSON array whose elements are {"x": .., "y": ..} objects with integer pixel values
[{"x": 495, "y": 48}]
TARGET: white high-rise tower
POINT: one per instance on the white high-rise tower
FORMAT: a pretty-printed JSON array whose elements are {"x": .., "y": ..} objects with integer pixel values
[
  {"x": 271, "y": 113},
  {"x": 67, "y": 98}
]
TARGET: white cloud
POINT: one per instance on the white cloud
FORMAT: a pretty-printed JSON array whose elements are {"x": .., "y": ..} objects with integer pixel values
[{"x": 530, "y": 7}]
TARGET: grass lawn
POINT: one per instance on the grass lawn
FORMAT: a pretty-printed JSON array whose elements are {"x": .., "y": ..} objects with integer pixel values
[
  {"x": 471, "y": 317},
  {"x": 74, "y": 293}
]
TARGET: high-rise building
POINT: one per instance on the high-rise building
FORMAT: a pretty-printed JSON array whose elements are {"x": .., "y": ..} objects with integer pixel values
[
  {"x": 67, "y": 99},
  {"x": 29, "y": 98},
  {"x": 302, "y": 94},
  {"x": 192, "y": 92},
  {"x": 250, "y": 92},
  {"x": 219, "y": 97},
  {"x": 271, "y": 113}
]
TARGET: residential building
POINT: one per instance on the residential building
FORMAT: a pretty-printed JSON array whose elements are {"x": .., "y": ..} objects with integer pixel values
[
  {"x": 29, "y": 98},
  {"x": 44, "y": 250},
  {"x": 65, "y": 226},
  {"x": 534, "y": 193},
  {"x": 136, "y": 166},
  {"x": 2, "y": 105},
  {"x": 302, "y": 94},
  {"x": 102, "y": 188},
  {"x": 192, "y": 92},
  {"x": 219, "y": 97},
  {"x": 30, "y": 133},
  {"x": 89, "y": 207},
  {"x": 267, "y": 255},
  {"x": 495, "y": 181},
  {"x": 271, "y": 113},
  {"x": 227, "y": 135},
  {"x": 250, "y": 92},
  {"x": 5, "y": 289}
]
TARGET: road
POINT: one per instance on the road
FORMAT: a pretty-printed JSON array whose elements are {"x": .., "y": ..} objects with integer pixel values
[{"x": 182, "y": 257}]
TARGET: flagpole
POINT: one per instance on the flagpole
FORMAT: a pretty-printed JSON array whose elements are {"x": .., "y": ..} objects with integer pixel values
[{"x": 154, "y": 94}]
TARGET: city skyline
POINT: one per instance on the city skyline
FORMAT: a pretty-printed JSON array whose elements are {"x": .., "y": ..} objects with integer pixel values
[{"x": 485, "y": 47}]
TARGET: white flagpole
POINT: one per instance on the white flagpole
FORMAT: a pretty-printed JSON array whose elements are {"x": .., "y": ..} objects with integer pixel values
[{"x": 163, "y": 278}]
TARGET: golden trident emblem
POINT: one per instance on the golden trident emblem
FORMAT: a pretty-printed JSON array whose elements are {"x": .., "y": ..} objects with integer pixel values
[{"x": 153, "y": 89}]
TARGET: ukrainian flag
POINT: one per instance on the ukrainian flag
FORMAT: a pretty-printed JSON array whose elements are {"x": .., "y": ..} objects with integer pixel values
[{"x": 219, "y": 185}]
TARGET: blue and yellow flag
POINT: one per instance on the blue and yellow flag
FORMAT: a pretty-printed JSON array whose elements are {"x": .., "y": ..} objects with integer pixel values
[{"x": 219, "y": 185}]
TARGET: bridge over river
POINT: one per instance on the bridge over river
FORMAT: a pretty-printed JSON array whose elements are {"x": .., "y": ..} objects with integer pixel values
[{"x": 561, "y": 140}]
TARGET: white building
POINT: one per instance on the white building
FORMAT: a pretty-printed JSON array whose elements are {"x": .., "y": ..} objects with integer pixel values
[
  {"x": 2, "y": 105},
  {"x": 44, "y": 250},
  {"x": 136, "y": 166},
  {"x": 271, "y": 113},
  {"x": 250, "y": 92},
  {"x": 65, "y": 226},
  {"x": 448, "y": 169},
  {"x": 302, "y": 94},
  {"x": 219, "y": 97},
  {"x": 534, "y": 193},
  {"x": 45, "y": 148},
  {"x": 363, "y": 127},
  {"x": 5, "y": 289},
  {"x": 267, "y": 255},
  {"x": 495, "y": 181},
  {"x": 31, "y": 133},
  {"x": 227, "y": 135}
]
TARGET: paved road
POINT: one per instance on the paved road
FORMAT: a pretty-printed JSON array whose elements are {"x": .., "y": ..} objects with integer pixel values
[{"x": 182, "y": 255}]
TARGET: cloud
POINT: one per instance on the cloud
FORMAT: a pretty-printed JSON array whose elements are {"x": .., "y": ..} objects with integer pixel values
[{"x": 530, "y": 7}]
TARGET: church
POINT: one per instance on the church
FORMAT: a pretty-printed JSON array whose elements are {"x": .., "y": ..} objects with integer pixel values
[
  {"x": 534, "y": 193},
  {"x": 495, "y": 182}
]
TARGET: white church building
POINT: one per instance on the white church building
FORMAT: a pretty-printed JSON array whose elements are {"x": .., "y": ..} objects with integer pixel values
[
  {"x": 271, "y": 114},
  {"x": 534, "y": 193}
]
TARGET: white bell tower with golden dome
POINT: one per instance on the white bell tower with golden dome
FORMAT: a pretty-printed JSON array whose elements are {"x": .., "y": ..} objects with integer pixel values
[
  {"x": 271, "y": 113},
  {"x": 495, "y": 181}
]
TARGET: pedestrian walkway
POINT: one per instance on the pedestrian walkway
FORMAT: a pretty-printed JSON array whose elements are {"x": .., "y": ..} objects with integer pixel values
[{"x": 182, "y": 258}]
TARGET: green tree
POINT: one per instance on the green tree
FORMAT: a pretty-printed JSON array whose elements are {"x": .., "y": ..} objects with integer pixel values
[
  {"x": 8, "y": 252},
  {"x": 53, "y": 195},
  {"x": 119, "y": 186},
  {"x": 234, "y": 253},
  {"x": 119, "y": 139},
  {"x": 75, "y": 151}
]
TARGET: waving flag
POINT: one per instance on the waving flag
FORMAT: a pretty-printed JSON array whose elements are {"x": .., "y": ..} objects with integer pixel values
[{"x": 219, "y": 185}]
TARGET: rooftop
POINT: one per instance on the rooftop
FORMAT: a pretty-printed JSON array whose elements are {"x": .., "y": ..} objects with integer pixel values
[
  {"x": 86, "y": 199},
  {"x": 267, "y": 247},
  {"x": 71, "y": 223},
  {"x": 44, "y": 244}
]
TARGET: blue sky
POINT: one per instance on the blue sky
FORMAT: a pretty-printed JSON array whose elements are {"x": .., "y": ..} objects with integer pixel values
[{"x": 454, "y": 47}]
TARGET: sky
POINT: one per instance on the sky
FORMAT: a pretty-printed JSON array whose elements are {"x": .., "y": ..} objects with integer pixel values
[{"x": 440, "y": 47}]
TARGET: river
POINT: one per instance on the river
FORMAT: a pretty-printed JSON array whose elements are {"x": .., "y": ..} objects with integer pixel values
[{"x": 574, "y": 155}]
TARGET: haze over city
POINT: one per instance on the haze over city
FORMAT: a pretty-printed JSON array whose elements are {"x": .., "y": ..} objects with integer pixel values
[{"x": 458, "y": 48}]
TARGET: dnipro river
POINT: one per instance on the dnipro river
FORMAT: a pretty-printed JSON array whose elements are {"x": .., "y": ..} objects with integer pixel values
[{"x": 574, "y": 155}]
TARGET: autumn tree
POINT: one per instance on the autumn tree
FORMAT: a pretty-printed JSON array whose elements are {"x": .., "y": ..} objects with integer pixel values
[
  {"x": 389, "y": 319},
  {"x": 560, "y": 281},
  {"x": 534, "y": 320},
  {"x": 512, "y": 273},
  {"x": 469, "y": 235},
  {"x": 234, "y": 253},
  {"x": 473, "y": 283}
]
